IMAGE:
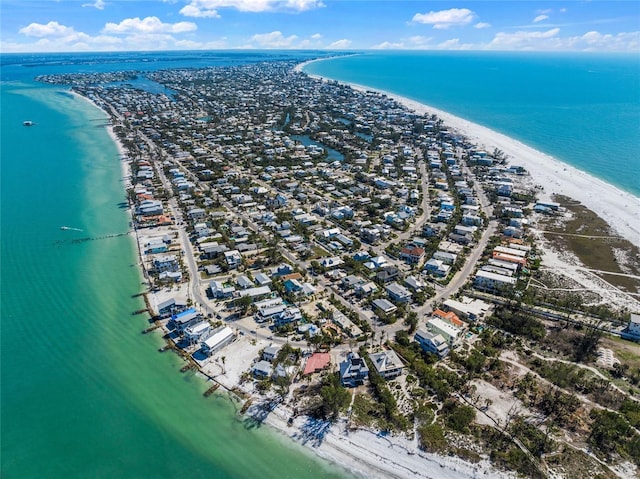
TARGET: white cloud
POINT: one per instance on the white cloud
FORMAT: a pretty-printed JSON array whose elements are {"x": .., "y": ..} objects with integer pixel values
[
  {"x": 482, "y": 25},
  {"x": 339, "y": 44},
  {"x": 193, "y": 45},
  {"x": 624, "y": 41},
  {"x": 521, "y": 40},
  {"x": 56, "y": 37},
  {"x": 51, "y": 29},
  {"x": 445, "y": 18},
  {"x": 99, "y": 4},
  {"x": 148, "y": 25},
  {"x": 316, "y": 36},
  {"x": 274, "y": 40},
  {"x": 454, "y": 44},
  {"x": 193, "y": 10},
  {"x": 388, "y": 46},
  {"x": 419, "y": 40},
  {"x": 540, "y": 18},
  {"x": 209, "y": 8}
]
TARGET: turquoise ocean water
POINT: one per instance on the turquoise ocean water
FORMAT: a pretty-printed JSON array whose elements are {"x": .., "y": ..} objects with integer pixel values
[
  {"x": 583, "y": 109},
  {"x": 84, "y": 394}
]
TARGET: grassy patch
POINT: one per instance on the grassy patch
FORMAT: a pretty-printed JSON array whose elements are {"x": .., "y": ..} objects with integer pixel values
[
  {"x": 579, "y": 235},
  {"x": 432, "y": 438},
  {"x": 367, "y": 412},
  {"x": 317, "y": 253},
  {"x": 579, "y": 463},
  {"x": 626, "y": 351}
]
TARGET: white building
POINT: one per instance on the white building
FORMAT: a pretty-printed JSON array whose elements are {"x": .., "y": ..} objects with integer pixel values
[
  {"x": 449, "y": 332},
  {"x": 218, "y": 340},
  {"x": 632, "y": 331},
  {"x": 387, "y": 363},
  {"x": 431, "y": 342}
]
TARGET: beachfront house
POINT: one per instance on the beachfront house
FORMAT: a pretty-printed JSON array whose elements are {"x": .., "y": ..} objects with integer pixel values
[
  {"x": 353, "y": 371},
  {"x": 219, "y": 338},
  {"x": 432, "y": 342},
  {"x": 183, "y": 319},
  {"x": 449, "y": 332},
  {"x": 387, "y": 364}
]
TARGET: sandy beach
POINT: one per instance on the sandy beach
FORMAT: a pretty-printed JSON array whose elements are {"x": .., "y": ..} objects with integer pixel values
[{"x": 619, "y": 208}]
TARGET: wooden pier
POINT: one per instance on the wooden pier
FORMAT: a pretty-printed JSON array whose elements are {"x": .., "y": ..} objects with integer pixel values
[{"x": 211, "y": 390}]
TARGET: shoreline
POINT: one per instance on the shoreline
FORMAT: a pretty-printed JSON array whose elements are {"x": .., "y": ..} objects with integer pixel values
[{"x": 617, "y": 207}]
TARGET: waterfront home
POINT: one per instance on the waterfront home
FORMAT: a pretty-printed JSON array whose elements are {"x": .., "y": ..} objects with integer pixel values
[
  {"x": 156, "y": 246},
  {"x": 219, "y": 338},
  {"x": 169, "y": 307},
  {"x": 194, "y": 332},
  {"x": 353, "y": 371},
  {"x": 387, "y": 364},
  {"x": 432, "y": 342},
  {"x": 184, "y": 318},
  {"x": 262, "y": 369},
  {"x": 509, "y": 258},
  {"x": 165, "y": 263},
  {"x": 150, "y": 208}
]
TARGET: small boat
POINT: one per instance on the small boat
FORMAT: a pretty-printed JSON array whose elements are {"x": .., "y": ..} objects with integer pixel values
[
  {"x": 27, "y": 123},
  {"x": 70, "y": 228}
]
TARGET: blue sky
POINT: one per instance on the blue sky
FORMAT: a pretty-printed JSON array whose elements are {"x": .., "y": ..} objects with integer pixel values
[{"x": 122, "y": 25}]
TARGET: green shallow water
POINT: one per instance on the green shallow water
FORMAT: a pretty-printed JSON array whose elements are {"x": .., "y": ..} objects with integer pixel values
[{"x": 84, "y": 394}]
